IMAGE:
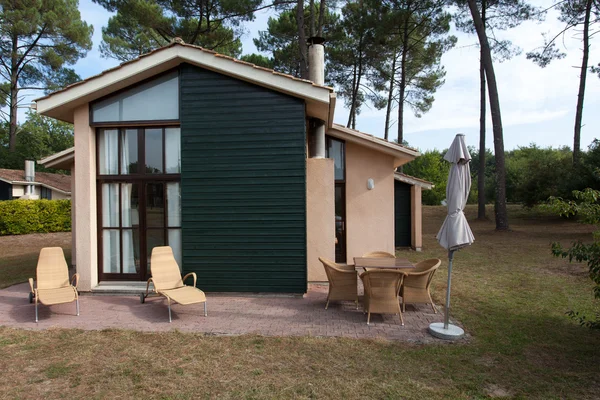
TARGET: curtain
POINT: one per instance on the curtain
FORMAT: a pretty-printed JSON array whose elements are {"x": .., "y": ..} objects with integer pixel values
[{"x": 110, "y": 219}]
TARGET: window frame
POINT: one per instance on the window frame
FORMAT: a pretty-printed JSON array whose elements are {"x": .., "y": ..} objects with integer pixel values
[{"x": 341, "y": 183}]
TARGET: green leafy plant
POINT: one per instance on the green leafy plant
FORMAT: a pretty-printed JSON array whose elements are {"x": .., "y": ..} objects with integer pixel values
[
  {"x": 19, "y": 217},
  {"x": 585, "y": 206}
]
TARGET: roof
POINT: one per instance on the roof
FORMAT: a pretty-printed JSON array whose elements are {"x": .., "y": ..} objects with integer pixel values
[
  {"x": 60, "y": 160},
  {"x": 411, "y": 180},
  {"x": 58, "y": 182},
  {"x": 402, "y": 154},
  {"x": 61, "y": 104}
]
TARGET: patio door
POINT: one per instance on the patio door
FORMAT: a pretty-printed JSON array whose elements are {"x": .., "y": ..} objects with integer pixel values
[{"x": 138, "y": 208}]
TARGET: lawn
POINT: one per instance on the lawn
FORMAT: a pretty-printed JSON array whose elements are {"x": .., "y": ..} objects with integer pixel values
[{"x": 509, "y": 293}]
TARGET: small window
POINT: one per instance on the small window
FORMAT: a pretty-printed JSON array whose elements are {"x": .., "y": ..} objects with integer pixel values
[
  {"x": 157, "y": 100},
  {"x": 46, "y": 193}
]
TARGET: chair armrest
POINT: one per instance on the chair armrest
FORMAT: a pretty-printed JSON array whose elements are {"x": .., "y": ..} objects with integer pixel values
[
  {"x": 31, "y": 285},
  {"x": 409, "y": 273},
  {"x": 75, "y": 279},
  {"x": 193, "y": 274}
]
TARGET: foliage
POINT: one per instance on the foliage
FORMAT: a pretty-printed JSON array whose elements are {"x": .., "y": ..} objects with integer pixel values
[
  {"x": 259, "y": 59},
  {"x": 586, "y": 207},
  {"x": 432, "y": 167},
  {"x": 39, "y": 137},
  {"x": 140, "y": 26},
  {"x": 417, "y": 35},
  {"x": 281, "y": 38},
  {"x": 38, "y": 38},
  {"x": 19, "y": 217}
]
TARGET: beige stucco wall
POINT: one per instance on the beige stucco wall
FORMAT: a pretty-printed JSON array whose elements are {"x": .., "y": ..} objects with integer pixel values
[
  {"x": 85, "y": 200},
  {"x": 369, "y": 213},
  {"x": 73, "y": 225},
  {"x": 320, "y": 216},
  {"x": 56, "y": 195}
]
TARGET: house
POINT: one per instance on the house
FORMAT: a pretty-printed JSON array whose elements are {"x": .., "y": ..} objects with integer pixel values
[
  {"x": 407, "y": 210},
  {"x": 27, "y": 184},
  {"x": 240, "y": 169}
]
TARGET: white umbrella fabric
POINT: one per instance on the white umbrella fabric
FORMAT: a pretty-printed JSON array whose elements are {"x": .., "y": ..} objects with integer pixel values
[{"x": 455, "y": 232}]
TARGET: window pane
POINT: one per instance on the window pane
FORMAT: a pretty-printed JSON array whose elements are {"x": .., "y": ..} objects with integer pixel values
[
  {"x": 111, "y": 253},
  {"x": 175, "y": 243},
  {"x": 151, "y": 101},
  {"x": 155, "y": 203},
  {"x": 131, "y": 251},
  {"x": 154, "y": 149},
  {"x": 336, "y": 151},
  {"x": 129, "y": 151},
  {"x": 110, "y": 205},
  {"x": 108, "y": 152},
  {"x": 173, "y": 204},
  {"x": 154, "y": 238},
  {"x": 129, "y": 205},
  {"x": 155, "y": 100},
  {"x": 172, "y": 150}
]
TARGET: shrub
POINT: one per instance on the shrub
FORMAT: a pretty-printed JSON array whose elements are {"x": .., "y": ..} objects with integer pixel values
[{"x": 19, "y": 217}]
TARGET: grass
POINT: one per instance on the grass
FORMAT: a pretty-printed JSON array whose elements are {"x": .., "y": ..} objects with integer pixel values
[{"x": 509, "y": 293}]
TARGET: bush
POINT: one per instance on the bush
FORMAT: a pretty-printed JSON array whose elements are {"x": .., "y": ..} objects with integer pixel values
[{"x": 19, "y": 217}]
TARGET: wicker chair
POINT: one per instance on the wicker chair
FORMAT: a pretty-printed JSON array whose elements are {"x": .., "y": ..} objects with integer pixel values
[
  {"x": 342, "y": 282},
  {"x": 377, "y": 254},
  {"x": 415, "y": 288},
  {"x": 381, "y": 292},
  {"x": 53, "y": 286},
  {"x": 168, "y": 282}
]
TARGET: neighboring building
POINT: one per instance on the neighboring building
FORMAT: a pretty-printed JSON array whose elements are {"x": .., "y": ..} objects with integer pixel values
[
  {"x": 238, "y": 168},
  {"x": 14, "y": 184}
]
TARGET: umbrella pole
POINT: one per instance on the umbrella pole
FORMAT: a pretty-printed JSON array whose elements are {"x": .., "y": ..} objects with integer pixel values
[{"x": 447, "y": 314}]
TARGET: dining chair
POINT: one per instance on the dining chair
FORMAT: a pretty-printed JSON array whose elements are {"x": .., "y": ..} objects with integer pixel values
[
  {"x": 415, "y": 288},
  {"x": 342, "y": 282},
  {"x": 381, "y": 292}
]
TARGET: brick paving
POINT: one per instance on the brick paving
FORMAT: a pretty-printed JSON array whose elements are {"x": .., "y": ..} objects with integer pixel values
[{"x": 227, "y": 315}]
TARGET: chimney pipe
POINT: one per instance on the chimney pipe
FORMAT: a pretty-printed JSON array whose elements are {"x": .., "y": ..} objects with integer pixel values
[
  {"x": 30, "y": 175},
  {"x": 316, "y": 73}
]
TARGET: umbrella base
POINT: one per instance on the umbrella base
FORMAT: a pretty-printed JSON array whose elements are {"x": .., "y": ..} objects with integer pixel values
[{"x": 452, "y": 333}]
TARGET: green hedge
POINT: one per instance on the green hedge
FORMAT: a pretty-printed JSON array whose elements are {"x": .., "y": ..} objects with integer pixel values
[{"x": 19, "y": 217}]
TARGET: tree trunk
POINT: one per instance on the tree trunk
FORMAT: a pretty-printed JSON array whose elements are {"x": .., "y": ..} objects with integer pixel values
[
  {"x": 352, "y": 97},
  {"x": 321, "y": 18},
  {"x": 311, "y": 5},
  {"x": 402, "y": 88},
  {"x": 14, "y": 95},
  {"x": 302, "y": 39},
  {"x": 390, "y": 98},
  {"x": 482, "y": 111},
  {"x": 582, "y": 79},
  {"x": 500, "y": 206}
]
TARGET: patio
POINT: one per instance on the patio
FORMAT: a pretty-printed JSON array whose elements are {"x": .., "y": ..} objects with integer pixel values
[{"x": 227, "y": 315}]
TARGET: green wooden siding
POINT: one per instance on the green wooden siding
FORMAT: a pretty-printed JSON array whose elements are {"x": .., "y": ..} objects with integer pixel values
[
  {"x": 402, "y": 214},
  {"x": 243, "y": 185}
]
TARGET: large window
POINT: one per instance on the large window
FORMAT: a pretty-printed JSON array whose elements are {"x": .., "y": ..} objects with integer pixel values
[
  {"x": 336, "y": 149},
  {"x": 155, "y": 100},
  {"x": 139, "y": 198}
]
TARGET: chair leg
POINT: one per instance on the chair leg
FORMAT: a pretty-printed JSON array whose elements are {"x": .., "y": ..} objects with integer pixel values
[
  {"x": 36, "y": 309},
  {"x": 205, "y": 314},
  {"x": 434, "y": 309},
  {"x": 77, "y": 303},
  {"x": 403, "y": 305},
  {"x": 369, "y": 318},
  {"x": 169, "y": 302},
  {"x": 357, "y": 303},
  {"x": 400, "y": 313},
  {"x": 327, "y": 304}
]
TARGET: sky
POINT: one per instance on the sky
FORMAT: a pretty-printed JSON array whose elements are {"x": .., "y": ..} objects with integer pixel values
[{"x": 538, "y": 105}]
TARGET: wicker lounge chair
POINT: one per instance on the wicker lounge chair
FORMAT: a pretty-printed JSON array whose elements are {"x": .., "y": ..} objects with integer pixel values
[
  {"x": 53, "y": 286},
  {"x": 167, "y": 280},
  {"x": 415, "y": 288},
  {"x": 342, "y": 282},
  {"x": 381, "y": 292},
  {"x": 377, "y": 254}
]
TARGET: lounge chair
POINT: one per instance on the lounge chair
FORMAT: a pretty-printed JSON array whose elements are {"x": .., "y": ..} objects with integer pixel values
[
  {"x": 53, "y": 286},
  {"x": 381, "y": 292},
  {"x": 377, "y": 254},
  {"x": 342, "y": 282},
  {"x": 167, "y": 280},
  {"x": 415, "y": 288}
]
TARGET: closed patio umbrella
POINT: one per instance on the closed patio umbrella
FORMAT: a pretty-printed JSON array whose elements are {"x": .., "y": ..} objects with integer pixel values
[{"x": 455, "y": 232}]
